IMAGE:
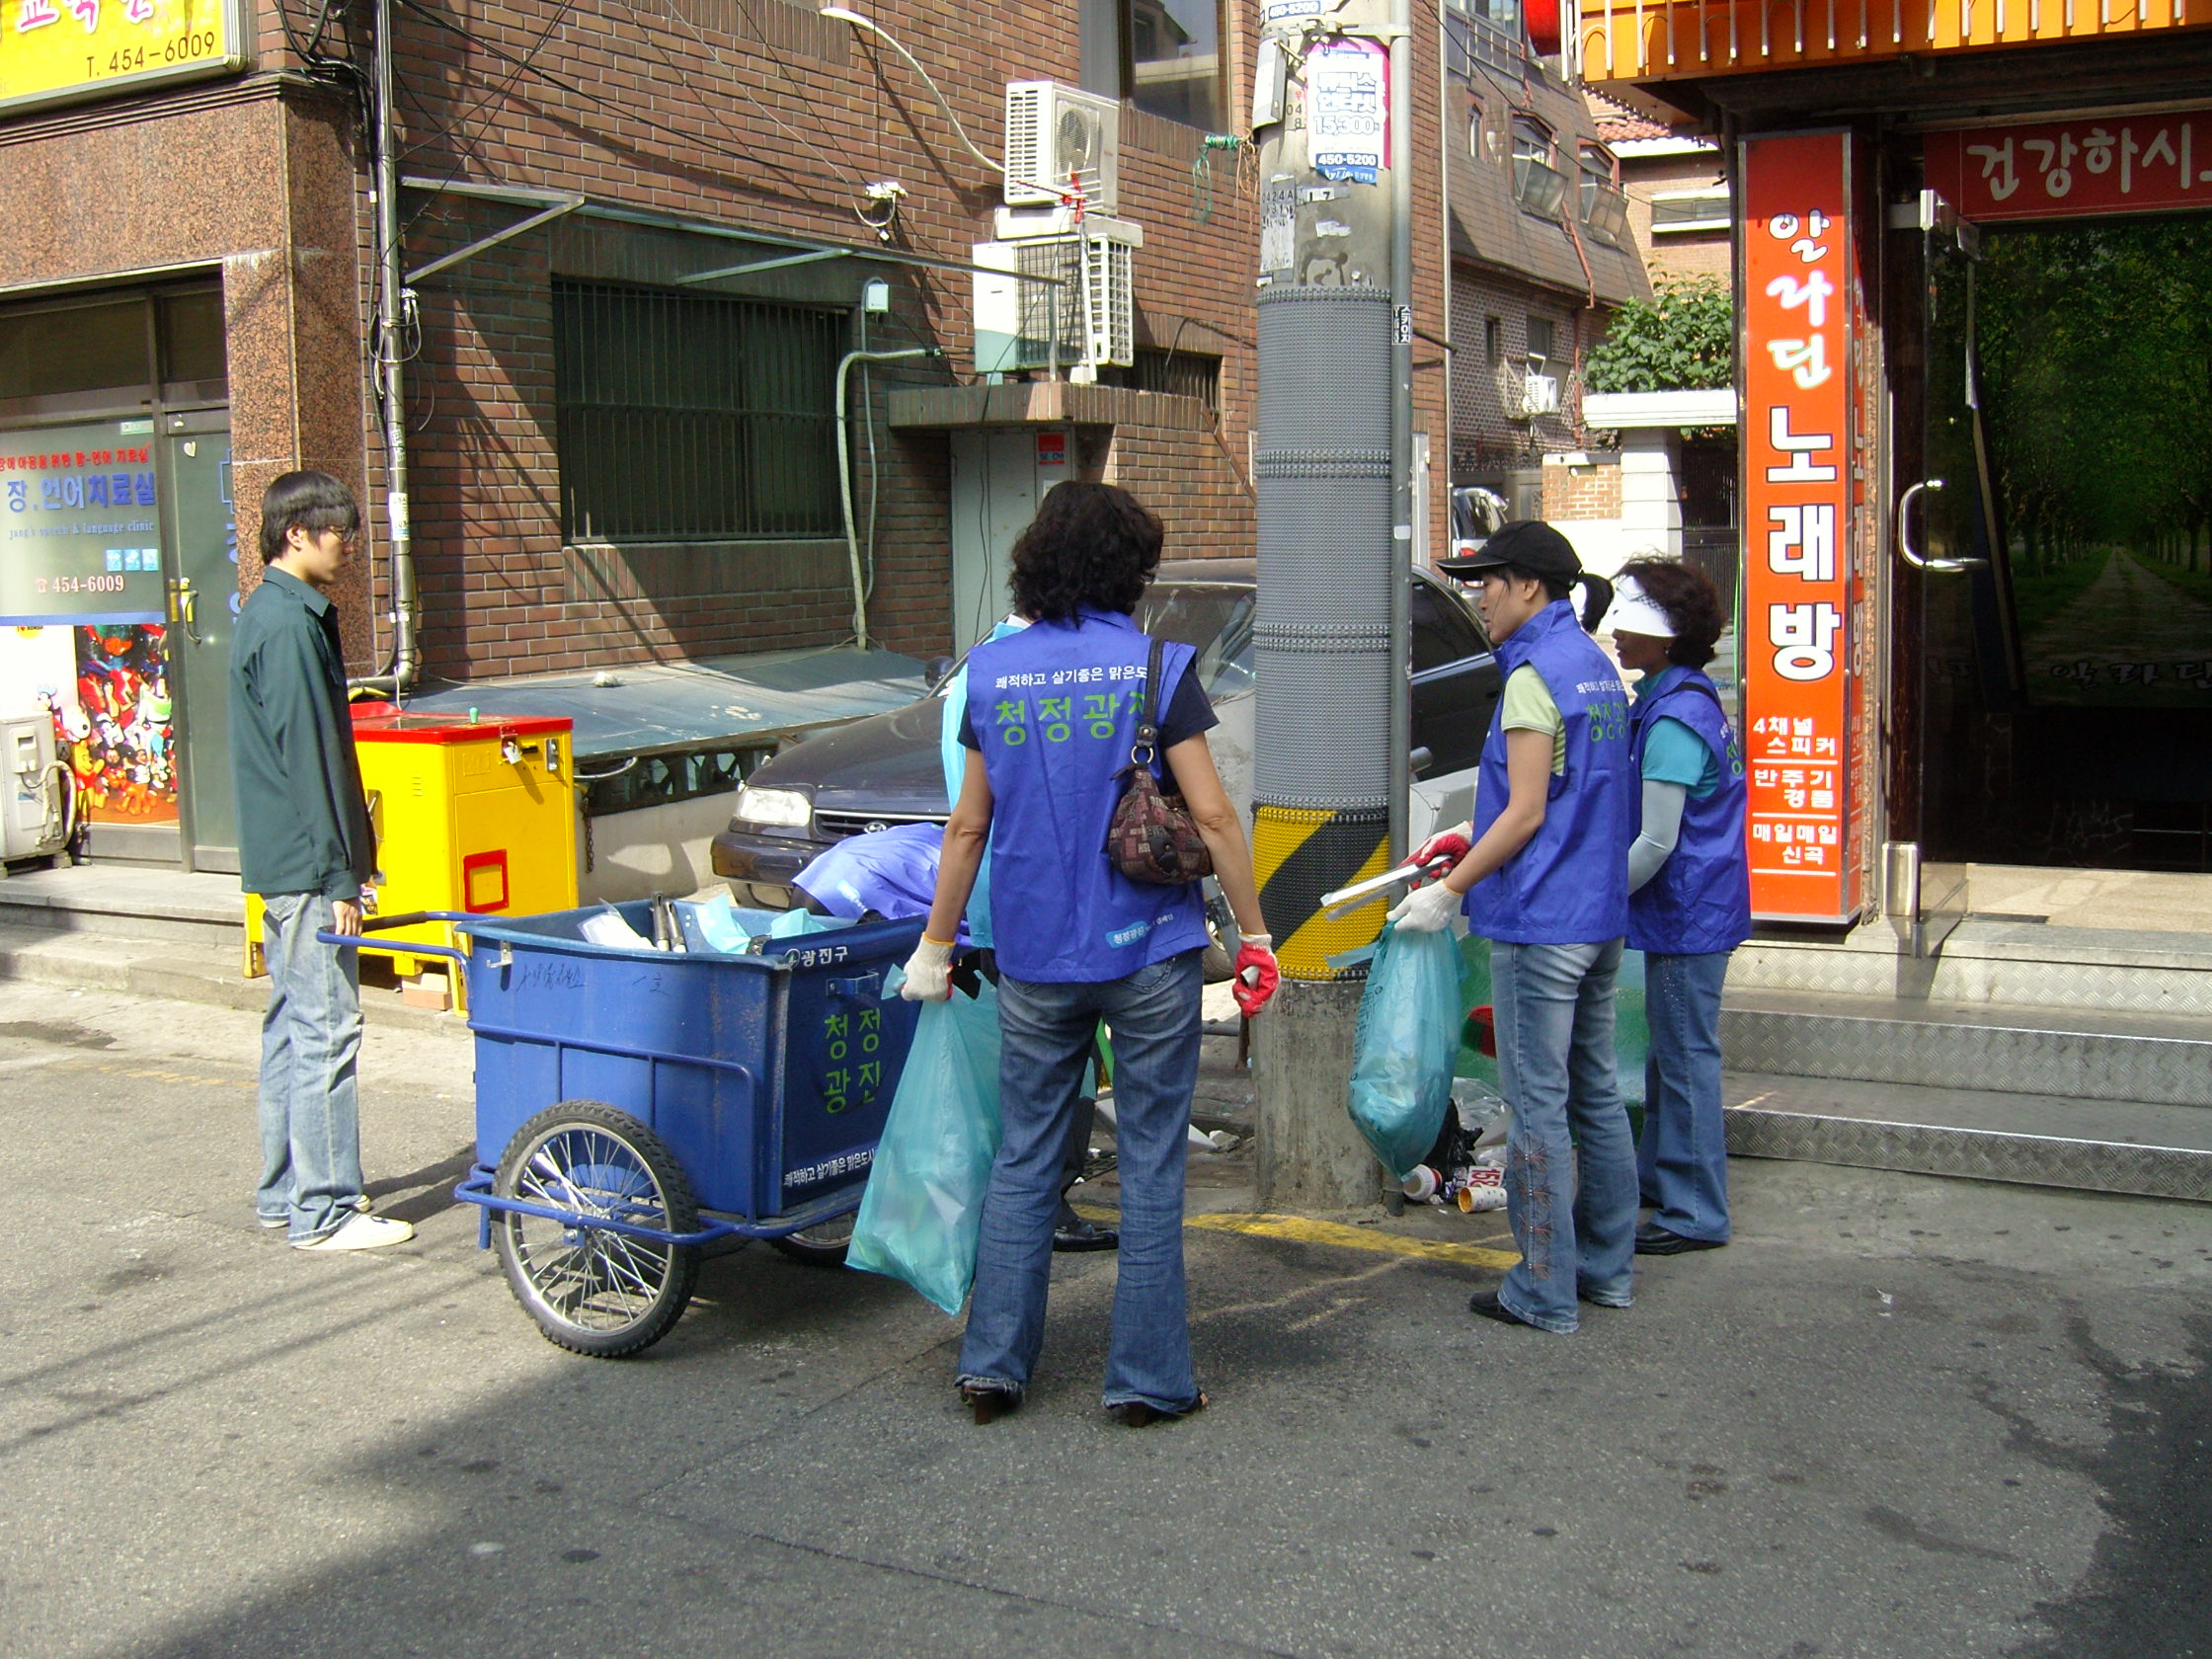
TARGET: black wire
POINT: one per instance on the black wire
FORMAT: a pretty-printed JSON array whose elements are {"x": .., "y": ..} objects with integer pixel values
[{"x": 690, "y": 140}]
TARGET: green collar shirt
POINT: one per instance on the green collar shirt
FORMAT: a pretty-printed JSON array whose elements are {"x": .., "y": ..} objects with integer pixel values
[{"x": 303, "y": 819}]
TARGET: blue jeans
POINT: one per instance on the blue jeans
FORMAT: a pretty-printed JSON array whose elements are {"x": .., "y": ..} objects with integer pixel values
[
  {"x": 1682, "y": 1162},
  {"x": 310, "y": 1039},
  {"x": 1554, "y": 1023},
  {"x": 1154, "y": 1015}
]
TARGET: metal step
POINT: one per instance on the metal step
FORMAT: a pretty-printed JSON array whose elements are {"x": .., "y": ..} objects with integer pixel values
[
  {"x": 2039, "y": 1140},
  {"x": 1996, "y": 962},
  {"x": 2088, "y": 1055}
]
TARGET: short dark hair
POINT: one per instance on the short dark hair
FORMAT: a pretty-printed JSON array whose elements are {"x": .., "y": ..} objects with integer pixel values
[
  {"x": 1692, "y": 604},
  {"x": 308, "y": 501},
  {"x": 1090, "y": 547}
]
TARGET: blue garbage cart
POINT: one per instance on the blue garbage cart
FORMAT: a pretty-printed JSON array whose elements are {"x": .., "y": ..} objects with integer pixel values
[{"x": 634, "y": 1105}]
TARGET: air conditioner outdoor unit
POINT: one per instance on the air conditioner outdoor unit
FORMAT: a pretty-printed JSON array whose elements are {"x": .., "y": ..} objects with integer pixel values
[
  {"x": 33, "y": 806},
  {"x": 1540, "y": 395},
  {"x": 1092, "y": 312},
  {"x": 1060, "y": 139}
]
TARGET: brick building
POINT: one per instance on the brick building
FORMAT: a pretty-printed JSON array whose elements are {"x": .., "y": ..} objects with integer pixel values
[{"x": 639, "y": 238}]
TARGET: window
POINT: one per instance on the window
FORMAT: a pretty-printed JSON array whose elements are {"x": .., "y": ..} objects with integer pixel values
[
  {"x": 1493, "y": 339},
  {"x": 693, "y": 417},
  {"x": 1191, "y": 374},
  {"x": 109, "y": 353},
  {"x": 1677, "y": 211},
  {"x": 1442, "y": 632},
  {"x": 1540, "y": 338},
  {"x": 1475, "y": 146},
  {"x": 1538, "y": 185},
  {"x": 1163, "y": 55},
  {"x": 1604, "y": 204}
]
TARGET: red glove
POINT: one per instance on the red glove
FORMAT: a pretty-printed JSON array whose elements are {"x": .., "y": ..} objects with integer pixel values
[
  {"x": 1257, "y": 972},
  {"x": 1444, "y": 843}
]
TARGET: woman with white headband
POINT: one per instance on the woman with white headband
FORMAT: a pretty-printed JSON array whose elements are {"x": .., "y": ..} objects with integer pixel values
[{"x": 1688, "y": 893}]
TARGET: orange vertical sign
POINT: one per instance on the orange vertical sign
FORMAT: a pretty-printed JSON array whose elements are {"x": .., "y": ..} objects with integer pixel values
[{"x": 1796, "y": 654}]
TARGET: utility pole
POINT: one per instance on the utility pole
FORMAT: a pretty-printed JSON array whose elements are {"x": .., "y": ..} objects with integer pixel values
[{"x": 1333, "y": 118}]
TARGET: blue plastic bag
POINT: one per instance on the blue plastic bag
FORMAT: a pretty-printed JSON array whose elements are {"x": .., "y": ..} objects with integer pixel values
[
  {"x": 922, "y": 1212},
  {"x": 1407, "y": 1040}
]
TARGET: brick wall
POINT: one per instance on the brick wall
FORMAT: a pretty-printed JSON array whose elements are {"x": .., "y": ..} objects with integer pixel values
[
  {"x": 1485, "y": 435},
  {"x": 1586, "y": 490},
  {"x": 1678, "y": 254},
  {"x": 765, "y": 115}
]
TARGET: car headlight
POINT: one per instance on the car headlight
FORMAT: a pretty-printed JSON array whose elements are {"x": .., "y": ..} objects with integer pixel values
[{"x": 781, "y": 808}]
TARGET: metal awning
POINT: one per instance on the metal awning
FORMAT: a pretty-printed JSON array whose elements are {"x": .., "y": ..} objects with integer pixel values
[
  {"x": 551, "y": 205},
  {"x": 656, "y": 708}
]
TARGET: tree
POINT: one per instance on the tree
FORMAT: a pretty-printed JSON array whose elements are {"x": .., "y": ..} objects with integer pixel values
[{"x": 1682, "y": 339}]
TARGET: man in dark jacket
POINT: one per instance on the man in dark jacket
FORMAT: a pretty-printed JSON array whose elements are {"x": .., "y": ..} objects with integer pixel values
[{"x": 304, "y": 845}]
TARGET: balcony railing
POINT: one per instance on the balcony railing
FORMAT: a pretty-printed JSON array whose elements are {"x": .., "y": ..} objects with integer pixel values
[{"x": 1661, "y": 40}]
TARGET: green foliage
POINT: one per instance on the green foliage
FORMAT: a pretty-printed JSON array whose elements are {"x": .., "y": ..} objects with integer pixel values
[{"x": 1681, "y": 339}]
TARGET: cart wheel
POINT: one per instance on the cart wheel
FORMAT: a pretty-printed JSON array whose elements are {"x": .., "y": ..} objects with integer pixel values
[
  {"x": 590, "y": 1290},
  {"x": 821, "y": 1245}
]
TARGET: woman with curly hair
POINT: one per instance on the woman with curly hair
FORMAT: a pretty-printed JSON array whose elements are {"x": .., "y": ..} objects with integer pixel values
[
  {"x": 1050, "y": 732},
  {"x": 1688, "y": 893}
]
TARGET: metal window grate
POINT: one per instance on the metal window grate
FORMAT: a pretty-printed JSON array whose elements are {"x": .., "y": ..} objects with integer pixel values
[{"x": 693, "y": 417}]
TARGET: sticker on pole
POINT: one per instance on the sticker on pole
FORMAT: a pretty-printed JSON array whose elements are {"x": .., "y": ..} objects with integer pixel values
[{"x": 1348, "y": 109}]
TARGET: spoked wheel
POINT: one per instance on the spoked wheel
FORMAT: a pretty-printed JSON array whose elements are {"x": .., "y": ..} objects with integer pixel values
[
  {"x": 821, "y": 1245},
  {"x": 590, "y": 1289}
]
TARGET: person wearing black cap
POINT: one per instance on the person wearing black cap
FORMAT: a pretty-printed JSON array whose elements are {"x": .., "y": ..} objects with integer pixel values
[{"x": 1546, "y": 879}]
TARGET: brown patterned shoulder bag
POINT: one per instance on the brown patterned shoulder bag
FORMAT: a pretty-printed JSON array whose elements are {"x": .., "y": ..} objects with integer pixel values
[{"x": 1153, "y": 838}]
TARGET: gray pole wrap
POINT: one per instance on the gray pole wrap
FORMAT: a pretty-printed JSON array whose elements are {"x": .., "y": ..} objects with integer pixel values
[{"x": 1322, "y": 638}]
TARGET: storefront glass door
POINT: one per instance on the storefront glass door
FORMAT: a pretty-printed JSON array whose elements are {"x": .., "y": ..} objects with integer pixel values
[{"x": 202, "y": 537}]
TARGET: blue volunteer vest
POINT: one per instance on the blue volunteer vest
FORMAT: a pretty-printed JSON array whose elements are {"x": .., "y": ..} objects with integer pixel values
[
  {"x": 1699, "y": 902},
  {"x": 1055, "y": 707},
  {"x": 954, "y": 753},
  {"x": 1569, "y": 885}
]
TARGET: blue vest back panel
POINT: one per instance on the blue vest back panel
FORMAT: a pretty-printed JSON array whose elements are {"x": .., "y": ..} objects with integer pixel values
[
  {"x": 1699, "y": 902},
  {"x": 1569, "y": 885},
  {"x": 1057, "y": 709}
]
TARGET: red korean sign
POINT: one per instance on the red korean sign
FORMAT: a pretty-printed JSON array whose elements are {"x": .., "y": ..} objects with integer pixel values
[
  {"x": 1795, "y": 285},
  {"x": 2106, "y": 163}
]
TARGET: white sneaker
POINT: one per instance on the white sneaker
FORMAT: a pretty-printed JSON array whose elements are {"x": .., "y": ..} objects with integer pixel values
[{"x": 361, "y": 1232}]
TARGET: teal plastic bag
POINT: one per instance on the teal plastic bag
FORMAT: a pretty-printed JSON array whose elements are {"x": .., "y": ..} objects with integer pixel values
[
  {"x": 1407, "y": 1038},
  {"x": 922, "y": 1212}
]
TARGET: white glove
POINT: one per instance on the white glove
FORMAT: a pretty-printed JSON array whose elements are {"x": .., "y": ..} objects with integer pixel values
[
  {"x": 928, "y": 972},
  {"x": 1427, "y": 909}
]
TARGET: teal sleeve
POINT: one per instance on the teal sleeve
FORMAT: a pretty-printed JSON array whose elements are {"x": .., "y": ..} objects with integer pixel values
[{"x": 1674, "y": 753}]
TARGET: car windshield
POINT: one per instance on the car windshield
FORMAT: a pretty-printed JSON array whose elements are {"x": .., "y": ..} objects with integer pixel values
[{"x": 1213, "y": 618}]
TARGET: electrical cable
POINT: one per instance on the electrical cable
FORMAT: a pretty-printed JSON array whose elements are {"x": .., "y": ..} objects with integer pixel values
[{"x": 691, "y": 141}]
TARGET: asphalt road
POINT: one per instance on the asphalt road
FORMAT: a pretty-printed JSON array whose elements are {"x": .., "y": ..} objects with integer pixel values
[{"x": 1898, "y": 1417}]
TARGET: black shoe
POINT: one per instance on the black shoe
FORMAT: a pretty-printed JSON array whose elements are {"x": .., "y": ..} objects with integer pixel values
[
  {"x": 1653, "y": 1240},
  {"x": 1486, "y": 1305},
  {"x": 1141, "y": 1414},
  {"x": 1077, "y": 1233},
  {"x": 988, "y": 1403}
]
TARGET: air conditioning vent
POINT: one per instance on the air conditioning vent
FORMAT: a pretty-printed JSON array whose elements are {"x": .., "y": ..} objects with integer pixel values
[
  {"x": 1060, "y": 139},
  {"x": 1540, "y": 395},
  {"x": 1094, "y": 306}
]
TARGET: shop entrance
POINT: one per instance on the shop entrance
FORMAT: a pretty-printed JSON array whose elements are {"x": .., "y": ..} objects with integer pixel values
[
  {"x": 118, "y": 561},
  {"x": 2064, "y": 547}
]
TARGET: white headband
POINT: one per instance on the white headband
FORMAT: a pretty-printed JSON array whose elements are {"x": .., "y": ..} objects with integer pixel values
[{"x": 1631, "y": 612}]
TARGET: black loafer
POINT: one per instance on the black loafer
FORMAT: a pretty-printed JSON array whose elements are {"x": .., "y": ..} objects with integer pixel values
[
  {"x": 1485, "y": 1305},
  {"x": 1655, "y": 1241},
  {"x": 1082, "y": 1234}
]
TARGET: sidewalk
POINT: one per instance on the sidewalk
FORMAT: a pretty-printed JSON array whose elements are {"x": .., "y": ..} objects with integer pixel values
[{"x": 1898, "y": 1417}]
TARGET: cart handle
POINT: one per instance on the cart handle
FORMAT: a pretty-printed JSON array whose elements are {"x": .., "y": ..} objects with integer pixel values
[{"x": 406, "y": 918}]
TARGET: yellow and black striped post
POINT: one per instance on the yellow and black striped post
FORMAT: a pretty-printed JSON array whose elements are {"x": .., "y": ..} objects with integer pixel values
[{"x": 1299, "y": 853}]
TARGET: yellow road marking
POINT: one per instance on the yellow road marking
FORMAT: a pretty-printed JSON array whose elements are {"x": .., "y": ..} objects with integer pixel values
[{"x": 1306, "y": 1231}]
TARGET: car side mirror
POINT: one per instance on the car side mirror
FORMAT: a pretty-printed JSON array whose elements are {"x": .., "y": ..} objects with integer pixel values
[
  {"x": 1420, "y": 761},
  {"x": 939, "y": 669}
]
